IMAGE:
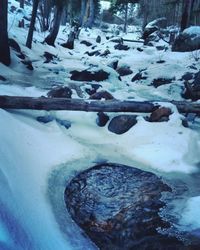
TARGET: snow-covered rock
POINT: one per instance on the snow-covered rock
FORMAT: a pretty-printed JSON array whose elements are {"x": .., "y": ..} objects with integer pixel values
[{"x": 188, "y": 40}]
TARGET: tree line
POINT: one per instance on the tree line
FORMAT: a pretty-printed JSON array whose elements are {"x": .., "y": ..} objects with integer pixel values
[{"x": 177, "y": 12}]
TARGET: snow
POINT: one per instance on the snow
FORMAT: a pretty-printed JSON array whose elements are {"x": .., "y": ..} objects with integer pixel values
[
  {"x": 30, "y": 151},
  {"x": 105, "y": 5},
  {"x": 193, "y": 30}
]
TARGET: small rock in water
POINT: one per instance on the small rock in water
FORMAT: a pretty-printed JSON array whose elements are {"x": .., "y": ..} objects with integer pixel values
[
  {"x": 122, "y": 123},
  {"x": 124, "y": 70},
  {"x": 102, "y": 119},
  {"x": 121, "y": 47},
  {"x": 98, "y": 39},
  {"x": 2, "y": 78},
  {"x": 161, "y": 81},
  {"x": 86, "y": 43},
  {"x": 45, "y": 119},
  {"x": 161, "y": 114}
]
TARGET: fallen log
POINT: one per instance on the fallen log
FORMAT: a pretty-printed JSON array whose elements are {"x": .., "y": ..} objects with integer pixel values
[
  {"x": 43, "y": 103},
  {"x": 133, "y": 41}
]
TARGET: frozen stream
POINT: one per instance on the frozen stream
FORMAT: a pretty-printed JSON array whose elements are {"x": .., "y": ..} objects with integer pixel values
[{"x": 37, "y": 160}]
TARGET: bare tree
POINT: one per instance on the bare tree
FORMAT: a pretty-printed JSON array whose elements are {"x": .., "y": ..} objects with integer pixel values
[{"x": 4, "y": 46}]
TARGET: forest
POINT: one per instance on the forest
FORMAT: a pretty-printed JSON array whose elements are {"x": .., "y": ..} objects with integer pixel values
[{"x": 99, "y": 124}]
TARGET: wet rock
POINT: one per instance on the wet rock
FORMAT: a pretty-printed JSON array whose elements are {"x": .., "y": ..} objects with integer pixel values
[
  {"x": 161, "y": 81},
  {"x": 160, "y": 47},
  {"x": 118, "y": 208},
  {"x": 187, "y": 76},
  {"x": 87, "y": 75},
  {"x": 45, "y": 119},
  {"x": 161, "y": 114},
  {"x": 49, "y": 57},
  {"x": 98, "y": 39},
  {"x": 88, "y": 44},
  {"x": 103, "y": 94},
  {"x": 2, "y": 78},
  {"x": 93, "y": 89},
  {"x": 60, "y": 92},
  {"x": 13, "y": 44},
  {"x": 21, "y": 56},
  {"x": 121, "y": 46},
  {"x": 102, "y": 119},
  {"x": 138, "y": 76},
  {"x": 124, "y": 70},
  {"x": 188, "y": 40},
  {"x": 65, "y": 123},
  {"x": 122, "y": 123}
]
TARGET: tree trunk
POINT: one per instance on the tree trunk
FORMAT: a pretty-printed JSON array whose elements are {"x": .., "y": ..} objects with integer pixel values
[
  {"x": 32, "y": 24},
  {"x": 86, "y": 14},
  {"x": 4, "y": 46},
  {"x": 43, "y": 103},
  {"x": 185, "y": 20},
  {"x": 50, "y": 39},
  {"x": 90, "y": 20},
  {"x": 126, "y": 17},
  {"x": 83, "y": 9},
  {"x": 45, "y": 7},
  {"x": 21, "y": 4}
]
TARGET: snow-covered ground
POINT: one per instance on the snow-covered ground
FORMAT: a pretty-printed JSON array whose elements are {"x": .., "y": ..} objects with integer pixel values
[{"x": 30, "y": 151}]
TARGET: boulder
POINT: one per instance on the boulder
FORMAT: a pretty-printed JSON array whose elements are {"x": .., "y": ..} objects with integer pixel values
[
  {"x": 122, "y": 123},
  {"x": 103, "y": 94},
  {"x": 60, "y": 92},
  {"x": 28, "y": 64},
  {"x": 188, "y": 40},
  {"x": 87, "y": 75},
  {"x": 192, "y": 90},
  {"x": 124, "y": 70},
  {"x": 118, "y": 207},
  {"x": 92, "y": 89},
  {"x": 93, "y": 53},
  {"x": 160, "y": 115},
  {"x": 161, "y": 81},
  {"x": 154, "y": 26},
  {"x": 102, "y": 119},
  {"x": 113, "y": 64}
]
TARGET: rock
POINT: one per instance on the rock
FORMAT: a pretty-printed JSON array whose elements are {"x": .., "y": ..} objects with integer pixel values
[
  {"x": 188, "y": 40},
  {"x": 113, "y": 64},
  {"x": 13, "y": 44},
  {"x": 160, "y": 61},
  {"x": 122, "y": 123},
  {"x": 49, "y": 57},
  {"x": 28, "y": 64},
  {"x": 124, "y": 70},
  {"x": 87, "y": 75},
  {"x": 93, "y": 53},
  {"x": 140, "y": 49},
  {"x": 45, "y": 119},
  {"x": 103, "y": 94},
  {"x": 2, "y": 78},
  {"x": 154, "y": 26},
  {"x": 98, "y": 39},
  {"x": 121, "y": 47},
  {"x": 65, "y": 123},
  {"x": 118, "y": 208},
  {"x": 192, "y": 91},
  {"x": 60, "y": 92},
  {"x": 88, "y": 44},
  {"x": 21, "y": 56},
  {"x": 160, "y": 47},
  {"x": 161, "y": 81},
  {"x": 138, "y": 77},
  {"x": 105, "y": 53},
  {"x": 161, "y": 114},
  {"x": 102, "y": 119},
  {"x": 187, "y": 76},
  {"x": 93, "y": 89}
]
